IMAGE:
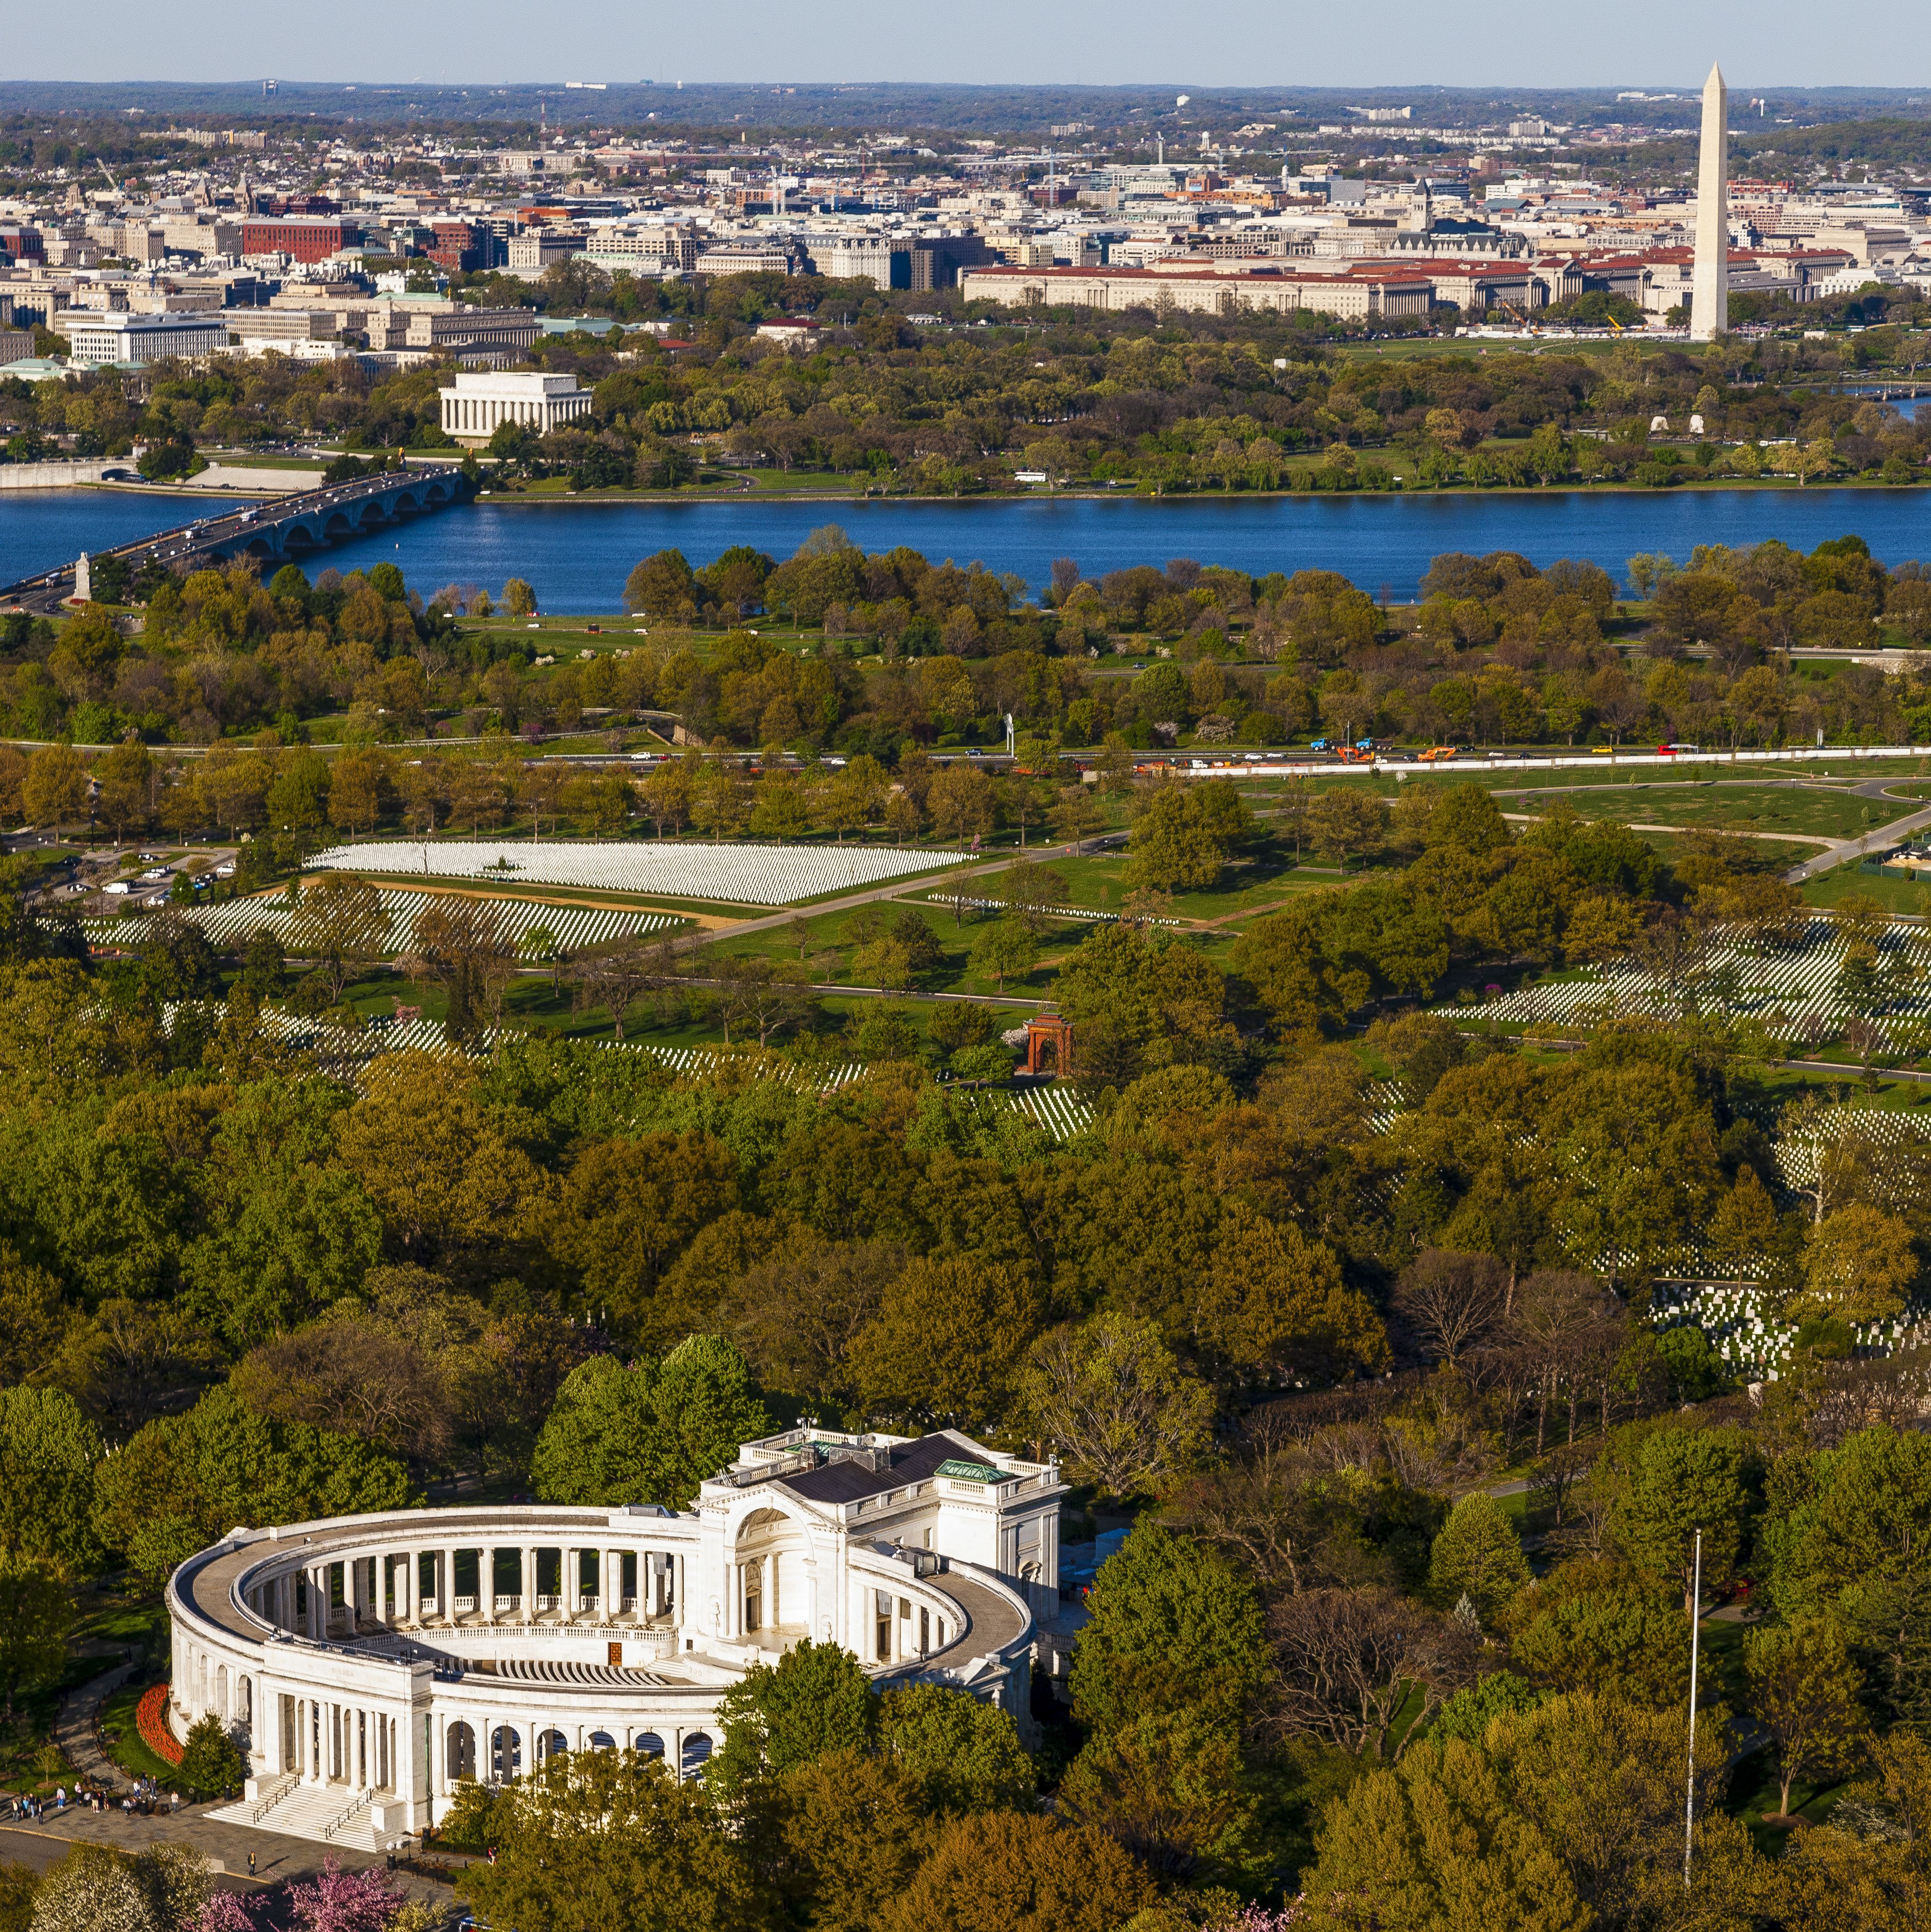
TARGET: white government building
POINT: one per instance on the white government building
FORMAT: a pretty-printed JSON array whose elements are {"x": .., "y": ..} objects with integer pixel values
[
  {"x": 367, "y": 1664},
  {"x": 475, "y": 404}
]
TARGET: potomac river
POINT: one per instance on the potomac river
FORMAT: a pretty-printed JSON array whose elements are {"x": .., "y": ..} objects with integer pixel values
[{"x": 576, "y": 554}]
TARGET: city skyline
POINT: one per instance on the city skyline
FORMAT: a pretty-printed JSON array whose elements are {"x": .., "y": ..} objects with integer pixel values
[{"x": 1482, "y": 45}]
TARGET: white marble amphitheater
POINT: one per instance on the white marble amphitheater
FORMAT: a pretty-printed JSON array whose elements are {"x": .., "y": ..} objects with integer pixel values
[{"x": 366, "y": 1664}]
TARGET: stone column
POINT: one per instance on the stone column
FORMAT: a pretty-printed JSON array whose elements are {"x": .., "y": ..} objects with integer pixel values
[
  {"x": 572, "y": 1581},
  {"x": 528, "y": 1606},
  {"x": 446, "y": 1586},
  {"x": 610, "y": 1583}
]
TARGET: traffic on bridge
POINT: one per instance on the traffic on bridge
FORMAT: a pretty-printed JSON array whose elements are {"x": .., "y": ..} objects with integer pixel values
[{"x": 289, "y": 528}]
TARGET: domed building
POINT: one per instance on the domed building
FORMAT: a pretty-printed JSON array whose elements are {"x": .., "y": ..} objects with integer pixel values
[{"x": 368, "y": 1664}]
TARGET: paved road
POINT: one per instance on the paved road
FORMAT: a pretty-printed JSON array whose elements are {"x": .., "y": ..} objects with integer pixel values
[{"x": 1843, "y": 849}]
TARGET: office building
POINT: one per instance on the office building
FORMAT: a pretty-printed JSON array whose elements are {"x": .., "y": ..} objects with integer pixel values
[{"x": 98, "y": 335}]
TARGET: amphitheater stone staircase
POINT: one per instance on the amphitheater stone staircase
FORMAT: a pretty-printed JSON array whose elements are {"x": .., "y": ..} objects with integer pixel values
[{"x": 329, "y": 1814}]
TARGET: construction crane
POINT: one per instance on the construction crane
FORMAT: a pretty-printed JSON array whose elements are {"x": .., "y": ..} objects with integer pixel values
[{"x": 1518, "y": 315}]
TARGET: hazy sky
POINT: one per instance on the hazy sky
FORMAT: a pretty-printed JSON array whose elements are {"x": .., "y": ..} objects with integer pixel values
[{"x": 1654, "y": 43}]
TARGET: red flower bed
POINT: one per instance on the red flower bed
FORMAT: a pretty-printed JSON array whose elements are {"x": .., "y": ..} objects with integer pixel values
[{"x": 151, "y": 1719}]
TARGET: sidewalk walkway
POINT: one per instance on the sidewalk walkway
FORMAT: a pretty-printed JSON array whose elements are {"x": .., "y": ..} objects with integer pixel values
[
  {"x": 42, "y": 1844},
  {"x": 77, "y": 1729}
]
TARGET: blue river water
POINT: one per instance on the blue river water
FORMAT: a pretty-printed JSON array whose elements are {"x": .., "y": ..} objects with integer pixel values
[{"x": 576, "y": 554}]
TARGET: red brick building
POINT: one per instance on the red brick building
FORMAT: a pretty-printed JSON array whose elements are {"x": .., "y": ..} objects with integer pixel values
[
  {"x": 305, "y": 238},
  {"x": 461, "y": 248}
]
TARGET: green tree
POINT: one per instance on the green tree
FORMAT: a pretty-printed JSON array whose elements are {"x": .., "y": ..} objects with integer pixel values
[
  {"x": 1004, "y": 950},
  {"x": 967, "y": 1751},
  {"x": 518, "y": 601},
  {"x": 1477, "y": 1554},
  {"x": 49, "y": 1452},
  {"x": 211, "y": 1766},
  {"x": 297, "y": 799},
  {"x": 36, "y": 1614},
  {"x": 815, "y": 1700},
  {"x": 264, "y": 965},
  {"x": 1860, "y": 1265},
  {"x": 1123, "y": 1414},
  {"x": 1344, "y": 821},
  {"x": 184, "y": 1480},
  {"x": 650, "y": 1432},
  {"x": 54, "y": 791},
  {"x": 1172, "y": 1626},
  {"x": 1170, "y": 1786},
  {"x": 608, "y": 1838},
  {"x": 1031, "y": 893},
  {"x": 341, "y": 923},
  {"x": 1847, "y": 1532},
  {"x": 853, "y": 1829},
  {"x": 126, "y": 785},
  {"x": 1599, "y": 1628},
  {"x": 1868, "y": 1868},
  {"x": 1021, "y": 1873},
  {"x": 661, "y": 585},
  {"x": 1466, "y": 818},
  {"x": 1565, "y": 1817},
  {"x": 948, "y": 1342},
  {"x": 1805, "y": 1692},
  {"x": 1684, "y": 1481},
  {"x": 1468, "y": 1713},
  {"x": 1182, "y": 838},
  {"x": 1137, "y": 1001}
]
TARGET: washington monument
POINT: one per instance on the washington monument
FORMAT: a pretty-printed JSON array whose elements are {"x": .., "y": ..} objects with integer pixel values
[{"x": 1710, "y": 294}]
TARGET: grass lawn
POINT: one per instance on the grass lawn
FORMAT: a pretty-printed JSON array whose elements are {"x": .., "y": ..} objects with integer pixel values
[
  {"x": 143, "y": 1623},
  {"x": 1755, "y": 1792},
  {"x": 1732, "y": 808},
  {"x": 1892, "y": 890},
  {"x": 827, "y": 942},
  {"x": 34, "y": 1713},
  {"x": 1098, "y": 883},
  {"x": 122, "y": 1735}
]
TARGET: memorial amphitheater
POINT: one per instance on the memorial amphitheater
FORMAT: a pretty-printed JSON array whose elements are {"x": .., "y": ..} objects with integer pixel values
[{"x": 365, "y": 1665}]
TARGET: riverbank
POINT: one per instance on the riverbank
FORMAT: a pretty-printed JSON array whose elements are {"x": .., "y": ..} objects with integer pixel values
[{"x": 1740, "y": 485}]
